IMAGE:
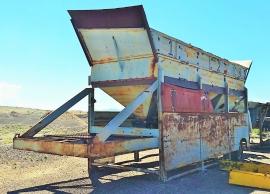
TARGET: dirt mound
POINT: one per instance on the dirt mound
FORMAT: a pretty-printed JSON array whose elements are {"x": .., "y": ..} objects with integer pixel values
[{"x": 15, "y": 120}]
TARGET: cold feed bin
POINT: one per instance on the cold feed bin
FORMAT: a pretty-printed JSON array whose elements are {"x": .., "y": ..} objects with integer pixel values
[{"x": 187, "y": 102}]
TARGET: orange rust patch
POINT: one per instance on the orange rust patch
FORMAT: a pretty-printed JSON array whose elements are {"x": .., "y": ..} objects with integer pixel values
[{"x": 185, "y": 134}]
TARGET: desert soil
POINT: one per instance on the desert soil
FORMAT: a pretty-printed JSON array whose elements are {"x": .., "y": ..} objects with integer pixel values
[
  {"x": 29, "y": 172},
  {"x": 23, "y": 171}
]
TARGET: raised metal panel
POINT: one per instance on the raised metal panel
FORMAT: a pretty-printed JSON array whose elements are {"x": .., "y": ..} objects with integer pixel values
[
  {"x": 191, "y": 137},
  {"x": 181, "y": 55},
  {"x": 116, "y": 44},
  {"x": 192, "y": 55},
  {"x": 181, "y": 141},
  {"x": 179, "y": 99},
  {"x": 204, "y": 61},
  {"x": 186, "y": 53},
  {"x": 175, "y": 69},
  {"x": 129, "y": 69},
  {"x": 235, "y": 84},
  {"x": 211, "y": 78}
]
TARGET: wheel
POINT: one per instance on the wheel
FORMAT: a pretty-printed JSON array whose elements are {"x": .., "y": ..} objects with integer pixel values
[{"x": 239, "y": 154}]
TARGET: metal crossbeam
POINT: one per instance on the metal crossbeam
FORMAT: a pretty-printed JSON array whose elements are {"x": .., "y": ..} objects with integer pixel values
[
  {"x": 55, "y": 114},
  {"x": 129, "y": 131},
  {"x": 112, "y": 126},
  {"x": 263, "y": 114}
]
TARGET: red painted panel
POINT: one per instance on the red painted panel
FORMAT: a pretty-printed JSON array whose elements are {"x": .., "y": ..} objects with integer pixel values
[{"x": 178, "y": 99}]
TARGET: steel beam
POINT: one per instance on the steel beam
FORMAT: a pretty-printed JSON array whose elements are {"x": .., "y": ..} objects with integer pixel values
[
  {"x": 122, "y": 167},
  {"x": 162, "y": 170},
  {"x": 129, "y": 131},
  {"x": 68, "y": 147},
  {"x": 91, "y": 107},
  {"x": 55, "y": 114},
  {"x": 112, "y": 126}
]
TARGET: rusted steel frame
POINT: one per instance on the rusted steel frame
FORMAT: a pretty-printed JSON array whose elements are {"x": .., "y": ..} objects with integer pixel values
[
  {"x": 188, "y": 45},
  {"x": 248, "y": 72},
  {"x": 227, "y": 110},
  {"x": 91, "y": 107},
  {"x": 192, "y": 171},
  {"x": 85, "y": 150},
  {"x": 201, "y": 151},
  {"x": 205, "y": 87},
  {"x": 119, "y": 58},
  {"x": 124, "y": 82},
  {"x": 226, "y": 103},
  {"x": 181, "y": 82},
  {"x": 122, "y": 167},
  {"x": 125, "y": 113},
  {"x": 264, "y": 111},
  {"x": 162, "y": 170},
  {"x": 56, "y": 113},
  {"x": 129, "y": 131},
  {"x": 82, "y": 43},
  {"x": 126, "y": 17},
  {"x": 246, "y": 99}
]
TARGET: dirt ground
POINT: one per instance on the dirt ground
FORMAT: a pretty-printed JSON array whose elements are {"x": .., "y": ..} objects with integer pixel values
[{"x": 28, "y": 172}]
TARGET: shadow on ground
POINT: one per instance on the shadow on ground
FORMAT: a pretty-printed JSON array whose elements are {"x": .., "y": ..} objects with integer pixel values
[{"x": 116, "y": 181}]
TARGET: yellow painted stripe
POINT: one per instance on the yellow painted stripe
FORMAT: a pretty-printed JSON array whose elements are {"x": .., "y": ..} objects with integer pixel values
[{"x": 250, "y": 179}]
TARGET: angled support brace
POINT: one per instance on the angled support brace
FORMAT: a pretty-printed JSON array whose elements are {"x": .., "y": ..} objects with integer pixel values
[
  {"x": 55, "y": 114},
  {"x": 112, "y": 126}
]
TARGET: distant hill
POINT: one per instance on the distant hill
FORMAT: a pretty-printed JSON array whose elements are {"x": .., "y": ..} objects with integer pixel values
[{"x": 17, "y": 120}]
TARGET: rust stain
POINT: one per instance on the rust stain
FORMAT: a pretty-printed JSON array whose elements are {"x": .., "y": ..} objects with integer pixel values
[
  {"x": 109, "y": 59},
  {"x": 88, "y": 148},
  {"x": 183, "y": 134},
  {"x": 103, "y": 60},
  {"x": 124, "y": 82},
  {"x": 153, "y": 66}
]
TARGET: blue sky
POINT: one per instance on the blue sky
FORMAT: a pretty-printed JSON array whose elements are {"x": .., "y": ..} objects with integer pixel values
[{"x": 42, "y": 64}]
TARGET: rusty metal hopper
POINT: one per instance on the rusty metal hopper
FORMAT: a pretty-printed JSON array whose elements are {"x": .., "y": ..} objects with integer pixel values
[
  {"x": 124, "y": 53},
  {"x": 188, "y": 103},
  {"x": 117, "y": 45}
]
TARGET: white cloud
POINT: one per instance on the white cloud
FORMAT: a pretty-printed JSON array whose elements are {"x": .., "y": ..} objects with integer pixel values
[{"x": 8, "y": 92}]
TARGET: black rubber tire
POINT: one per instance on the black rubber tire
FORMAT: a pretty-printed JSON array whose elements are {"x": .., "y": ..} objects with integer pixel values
[{"x": 239, "y": 154}]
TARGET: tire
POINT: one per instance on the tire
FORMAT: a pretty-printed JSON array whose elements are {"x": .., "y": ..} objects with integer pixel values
[{"x": 239, "y": 154}]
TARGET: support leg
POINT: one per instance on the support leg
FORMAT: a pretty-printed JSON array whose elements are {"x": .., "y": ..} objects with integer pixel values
[
  {"x": 93, "y": 172},
  {"x": 91, "y": 108},
  {"x": 162, "y": 171},
  {"x": 136, "y": 157}
]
